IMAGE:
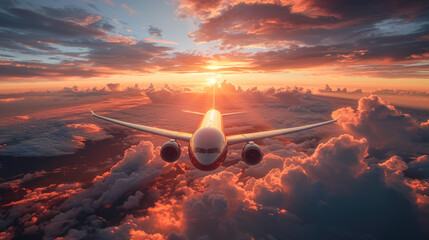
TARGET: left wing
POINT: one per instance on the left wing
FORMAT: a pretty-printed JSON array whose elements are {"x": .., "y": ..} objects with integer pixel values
[
  {"x": 158, "y": 131},
  {"x": 197, "y": 113},
  {"x": 271, "y": 133}
]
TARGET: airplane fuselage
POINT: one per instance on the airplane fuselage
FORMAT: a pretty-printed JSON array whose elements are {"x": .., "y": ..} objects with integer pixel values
[{"x": 208, "y": 147}]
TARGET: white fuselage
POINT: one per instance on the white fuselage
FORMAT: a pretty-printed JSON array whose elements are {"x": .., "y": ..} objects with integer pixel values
[{"x": 208, "y": 148}]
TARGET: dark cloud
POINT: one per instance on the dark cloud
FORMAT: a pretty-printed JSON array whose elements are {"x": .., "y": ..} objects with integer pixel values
[
  {"x": 114, "y": 86},
  {"x": 419, "y": 168},
  {"x": 153, "y": 31}
]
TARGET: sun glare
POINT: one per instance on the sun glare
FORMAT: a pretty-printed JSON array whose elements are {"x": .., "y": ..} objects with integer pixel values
[{"x": 211, "y": 80}]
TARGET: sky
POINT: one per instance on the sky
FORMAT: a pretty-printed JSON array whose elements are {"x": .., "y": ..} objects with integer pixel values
[{"x": 369, "y": 45}]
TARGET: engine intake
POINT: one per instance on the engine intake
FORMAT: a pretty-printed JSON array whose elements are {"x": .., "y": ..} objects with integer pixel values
[
  {"x": 170, "y": 151},
  {"x": 252, "y": 154}
]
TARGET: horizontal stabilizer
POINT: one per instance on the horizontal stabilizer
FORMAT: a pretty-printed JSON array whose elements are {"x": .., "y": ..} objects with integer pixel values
[
  {"x": 233, "y": 113},
  {"x": 198, "y": 113}
]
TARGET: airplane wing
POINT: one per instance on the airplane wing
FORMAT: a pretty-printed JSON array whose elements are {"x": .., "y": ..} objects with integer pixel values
[
  {"x": 233, "y": 113},
  {"x": 197, "y": 113},
  {"x": 271, "y": 133},
  {"x": 157, "y": 131}
]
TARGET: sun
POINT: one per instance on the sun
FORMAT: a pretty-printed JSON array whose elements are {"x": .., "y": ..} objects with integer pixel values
[{"x": 211, "y": 80}]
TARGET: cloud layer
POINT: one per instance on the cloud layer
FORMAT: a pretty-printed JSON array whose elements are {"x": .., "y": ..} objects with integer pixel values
[{"x": 352, "y": 185}]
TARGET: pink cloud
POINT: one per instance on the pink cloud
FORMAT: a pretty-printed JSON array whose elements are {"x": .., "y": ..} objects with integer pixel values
[
  {"x": 160, "y": 41},
  {"x": 130, "y": 10},
  {"x": 109, "y": 2}
]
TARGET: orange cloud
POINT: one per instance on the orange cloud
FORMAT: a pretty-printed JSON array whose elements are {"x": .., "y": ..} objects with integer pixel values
[
  {"x": 160, "y": 41},
  {"x": 11, "y": 99},
  {"x": 109, "y": 2}
]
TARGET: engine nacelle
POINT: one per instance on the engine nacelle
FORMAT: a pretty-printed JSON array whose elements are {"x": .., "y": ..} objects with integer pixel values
[
  {"x": 252, "y": 154},
  {"x": 170, "y": 151}
]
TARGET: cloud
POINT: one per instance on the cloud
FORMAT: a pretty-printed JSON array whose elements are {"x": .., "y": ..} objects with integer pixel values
[
  {"x": 384, "y": 126},
  {"x": 331, "y": 34},
  {"x": 114, "y": 86},
  {"x": 295, "y": 199},
  {"x": 328, "y": 89},
  {"x": 11, "y": 99},
  {"x": 76, "y": 43},
  {"x": 129, "y": 9},
  {"x": 15, "y": 184},
  {"x": 137, "y": 168},
  {"x": 50, "y": 140},
  {"x": 34, "y": 208},
  {"x": 153, "y": 31},
  {"x": 419, "y": 168},
  {"x": 160, "y": 41},
  {"x": 133, "y": 201},
  {"x": 109, "y": 2}
]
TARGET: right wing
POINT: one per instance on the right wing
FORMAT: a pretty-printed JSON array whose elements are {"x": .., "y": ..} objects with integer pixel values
[
  {"x": 158, "y": 131},
  {"x": 232, "y": 113},
  {"x": 271, "y": 133}
]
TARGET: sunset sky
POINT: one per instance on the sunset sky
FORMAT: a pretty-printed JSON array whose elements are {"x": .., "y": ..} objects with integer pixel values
[{"x": 368, "y": 45}]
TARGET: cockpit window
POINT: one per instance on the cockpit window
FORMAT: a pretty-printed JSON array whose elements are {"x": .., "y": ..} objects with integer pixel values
[
  {"x": 200, "y": 150},
  {"x": 213, "y": 150},
  {"x": 207, "y": 151}
]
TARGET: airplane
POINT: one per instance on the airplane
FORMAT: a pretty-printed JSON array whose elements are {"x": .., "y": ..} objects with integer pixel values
[{"x": 208, "y": 145}]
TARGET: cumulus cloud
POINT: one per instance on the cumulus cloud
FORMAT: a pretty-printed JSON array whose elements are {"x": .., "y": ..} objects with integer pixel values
[
  {"x": 385, "y": 127},
  {"x": 136, "y": 169},
  {"x": 292, "y": 200},
  {"x": 133, "y": 201},
  {"x": 35, "y": 208}
]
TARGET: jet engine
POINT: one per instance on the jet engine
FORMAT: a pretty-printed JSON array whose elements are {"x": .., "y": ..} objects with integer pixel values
[
  {"x": 170, "y": 151},
  {"x": 252, "y": 154}
]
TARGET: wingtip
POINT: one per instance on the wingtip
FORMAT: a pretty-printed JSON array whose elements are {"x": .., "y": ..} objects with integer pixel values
[
  {"x": 336, "y": 119},
  {"x": 92, "y": 112}
]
